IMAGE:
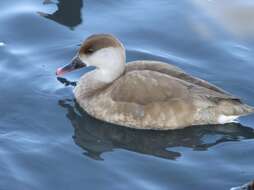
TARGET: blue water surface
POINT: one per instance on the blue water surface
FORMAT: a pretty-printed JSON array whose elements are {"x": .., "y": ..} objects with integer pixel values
[{"x": 47, "y": 142}]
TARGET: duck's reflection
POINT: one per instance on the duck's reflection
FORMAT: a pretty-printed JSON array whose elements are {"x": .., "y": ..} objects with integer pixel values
[
  {"x": 97, "y": 137},
  {"x": 68, "y": 12}
]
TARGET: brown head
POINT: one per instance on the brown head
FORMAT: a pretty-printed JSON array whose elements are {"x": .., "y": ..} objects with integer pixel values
[{"x": 103, "y": 51}]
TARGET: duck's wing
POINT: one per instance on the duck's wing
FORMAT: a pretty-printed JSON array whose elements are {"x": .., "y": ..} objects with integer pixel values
[
  {"x": 173, "y": 71},
  {"x": 146, "y": 86},
  {"x": 209, "y": 93},
  {"x": 143, "y": 87},
  {"x": 139, "y": 88}
]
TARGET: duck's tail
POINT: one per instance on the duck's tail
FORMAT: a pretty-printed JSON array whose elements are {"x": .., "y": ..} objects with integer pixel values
[
  {"x": 235, "y": 108},
  {"x": 231, "y": 112},
  {"x": 245, "y": 109}
]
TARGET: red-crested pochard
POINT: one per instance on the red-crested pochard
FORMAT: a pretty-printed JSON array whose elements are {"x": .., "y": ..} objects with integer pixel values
[{"x": 146, "y": 94}]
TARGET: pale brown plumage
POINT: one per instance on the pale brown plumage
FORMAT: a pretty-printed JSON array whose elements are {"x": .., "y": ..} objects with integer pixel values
[{"x": 154, "y": 95}]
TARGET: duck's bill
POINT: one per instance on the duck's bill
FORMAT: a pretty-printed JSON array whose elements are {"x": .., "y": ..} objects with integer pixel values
[{"x": 75, "y": 64}]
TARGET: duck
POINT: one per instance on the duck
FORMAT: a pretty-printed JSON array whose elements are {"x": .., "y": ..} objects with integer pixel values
[{"x": 146, "y": 94}]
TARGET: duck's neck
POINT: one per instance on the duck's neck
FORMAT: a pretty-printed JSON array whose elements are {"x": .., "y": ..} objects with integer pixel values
[
  {"x": 95, "y": 81},
  {"x": 108, "y": 75},
  {"x": 112, "y": 65}
]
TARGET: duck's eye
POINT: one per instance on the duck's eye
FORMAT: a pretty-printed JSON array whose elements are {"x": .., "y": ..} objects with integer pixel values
[{"x": 90, "y": 50}]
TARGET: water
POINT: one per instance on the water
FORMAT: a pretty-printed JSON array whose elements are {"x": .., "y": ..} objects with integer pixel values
[{"x": 46, "y": 142}]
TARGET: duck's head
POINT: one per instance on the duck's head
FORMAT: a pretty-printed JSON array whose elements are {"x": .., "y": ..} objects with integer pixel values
[{"x": 103, "y": 51}]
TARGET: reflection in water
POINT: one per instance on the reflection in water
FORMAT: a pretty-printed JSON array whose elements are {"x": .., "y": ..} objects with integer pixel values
[
  {"x": 68, "y": 12},
  {"x": 97, "y": 137},
  {"x": 47, "y": 2}
]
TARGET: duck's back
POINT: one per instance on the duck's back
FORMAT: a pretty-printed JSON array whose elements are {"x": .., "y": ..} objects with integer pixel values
[{"x": 173, "y": 71}]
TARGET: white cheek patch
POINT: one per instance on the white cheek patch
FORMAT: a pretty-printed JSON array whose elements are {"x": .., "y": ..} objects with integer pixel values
[
  {"x": 222, "y": 119},
  {"x": 110, "y": 63},
  {"x": 106, "y": 57}
]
